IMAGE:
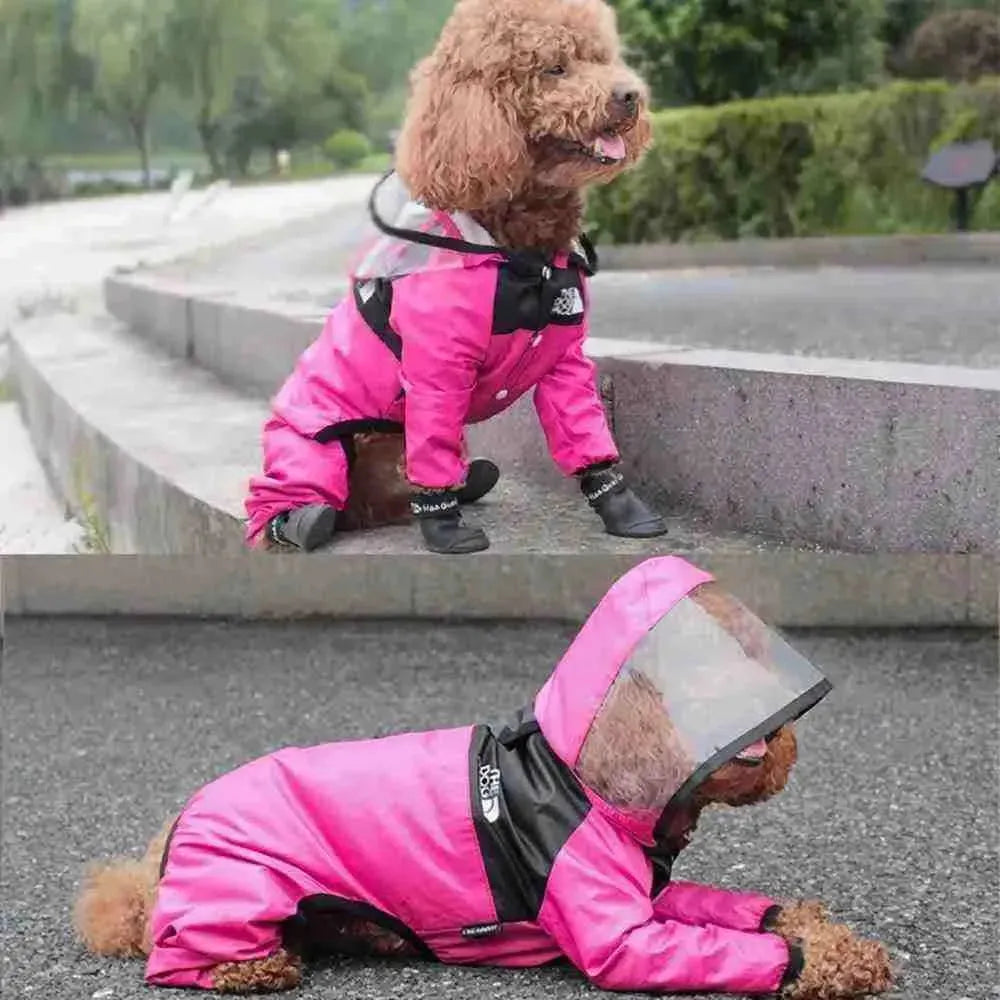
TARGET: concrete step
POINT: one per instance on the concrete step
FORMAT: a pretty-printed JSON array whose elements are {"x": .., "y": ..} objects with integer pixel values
[
  {"x": 154, "y": 453},
  {"x": 854, "y": 455}
]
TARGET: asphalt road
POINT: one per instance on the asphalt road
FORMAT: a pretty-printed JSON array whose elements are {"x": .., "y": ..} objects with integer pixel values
[
  {"x": 891, "y": 816},
  {"x": 932, "y": 314}
]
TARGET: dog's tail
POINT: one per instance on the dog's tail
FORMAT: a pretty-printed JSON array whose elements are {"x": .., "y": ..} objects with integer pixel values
[{"x": 116, "y": 899}]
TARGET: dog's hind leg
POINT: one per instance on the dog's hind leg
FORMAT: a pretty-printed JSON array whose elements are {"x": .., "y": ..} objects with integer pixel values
[
  {"x": 280, "y": 971},
  {"x": 112, "y": 911}
]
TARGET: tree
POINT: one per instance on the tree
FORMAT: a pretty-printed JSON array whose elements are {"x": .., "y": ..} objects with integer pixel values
[
  {"x": 301, "y": 91},
  {"x": 955, "y": 45},
  {"x": 383, "y": 39},
  {"x": 903, "y": 17},
  {"x": 710, "y": 51},
  {"x": 35, "y": 79},
  {"x": 211, "y": 45},
  {"x": 124, "y": 43}
]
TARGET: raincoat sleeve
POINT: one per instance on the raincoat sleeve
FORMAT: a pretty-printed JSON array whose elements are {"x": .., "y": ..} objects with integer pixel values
[
  {"x": 571, "y": 413},
  {"x": 597, "y": 909},
  {"x": 699, "y": 905},
  {"x": 445, "y": 327}
]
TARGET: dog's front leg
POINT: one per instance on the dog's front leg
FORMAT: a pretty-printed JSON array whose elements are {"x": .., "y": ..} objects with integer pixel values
[
  {"x": 700, "y": 905},
  {"x": 605, "y": 923},
  {"x": 581, "y": 444}
]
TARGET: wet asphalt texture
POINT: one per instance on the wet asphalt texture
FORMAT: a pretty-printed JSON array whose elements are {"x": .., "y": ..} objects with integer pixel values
[{"x": 891, "y": 816}]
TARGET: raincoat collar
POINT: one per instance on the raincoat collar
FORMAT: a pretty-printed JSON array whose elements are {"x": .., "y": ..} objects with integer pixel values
[{"x": 463, "y": 235}]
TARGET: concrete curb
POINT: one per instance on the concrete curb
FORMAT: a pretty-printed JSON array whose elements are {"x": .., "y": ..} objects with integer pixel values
[
  {"x": 841, "y": 251},
  {"x": 140, "y": 486},
  {"x": 791, "y": 589},
  {"x": 86, "y": 392},
  {"x": 849, "y": 455}
]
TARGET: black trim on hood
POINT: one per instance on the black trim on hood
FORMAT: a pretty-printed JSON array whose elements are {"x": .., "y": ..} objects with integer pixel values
[
  {"x": 792, "y": 711},
  {"x": 588, "y": 261}
]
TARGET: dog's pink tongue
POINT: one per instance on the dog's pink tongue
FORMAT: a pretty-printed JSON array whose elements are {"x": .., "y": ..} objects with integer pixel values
[
  {"x": 612, "y": 147},
  {"x": 756, "y": 751}
]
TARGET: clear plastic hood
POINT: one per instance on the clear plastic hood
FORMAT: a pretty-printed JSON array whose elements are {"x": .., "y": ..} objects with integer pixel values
[
  {"x": 448, "y": 237},
  {"x": 669, "y": 679}
]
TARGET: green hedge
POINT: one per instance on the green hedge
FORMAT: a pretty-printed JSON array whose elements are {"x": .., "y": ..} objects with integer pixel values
[{"x": 801, "y": 166}]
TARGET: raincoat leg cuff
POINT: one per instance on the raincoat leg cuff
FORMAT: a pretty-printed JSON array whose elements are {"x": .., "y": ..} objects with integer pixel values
[
  {"x": 770, "y": 918},
  {"x": 796, "y": 963}
]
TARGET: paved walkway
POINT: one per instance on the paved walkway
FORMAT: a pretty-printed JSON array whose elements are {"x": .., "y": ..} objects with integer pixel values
[
  {"x": 62, "y": 251},
  {"x": 941, "y": 314},
  {"x": 890, "y": 816}
]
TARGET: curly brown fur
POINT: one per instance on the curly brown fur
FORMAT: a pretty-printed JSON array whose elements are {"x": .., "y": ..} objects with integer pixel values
[
  {"x": 493, "y": 129},
  {"x": 280, "y": 971},
  {"x": 379, "y": 492},
  {"x": 633, "y": 757},
  {"x": 839, "y": 965},
  {"x": 112, "y": 910},
  {"x": 736, "y": 784},
  {"x": 794, "y": 919}
]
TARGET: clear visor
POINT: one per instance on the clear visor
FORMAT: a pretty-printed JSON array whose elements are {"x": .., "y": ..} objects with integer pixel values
[
  {"x": 708, "y": 680},
  {"x": 388, "y": 256}
]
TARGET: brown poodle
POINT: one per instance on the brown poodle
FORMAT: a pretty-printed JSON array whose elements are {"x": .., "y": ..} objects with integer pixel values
[
  {"x": 503, "y": 122},
  {"x": 630, "y": 758},
  {"x": 114, "y": 906}
]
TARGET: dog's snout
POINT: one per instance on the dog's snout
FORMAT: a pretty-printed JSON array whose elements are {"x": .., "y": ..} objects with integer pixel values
[{"x": 627, "y": 96}]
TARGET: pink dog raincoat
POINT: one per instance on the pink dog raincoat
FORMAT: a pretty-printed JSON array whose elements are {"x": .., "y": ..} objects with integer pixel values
[
  {"x": 487, "y": 849},
  {"x": 444, "y": 328}
]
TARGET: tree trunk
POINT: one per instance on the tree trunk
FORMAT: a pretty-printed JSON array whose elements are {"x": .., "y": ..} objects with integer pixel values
[
  {"x": 140, "y": 135},
  {"x": 208, "y": 132}
]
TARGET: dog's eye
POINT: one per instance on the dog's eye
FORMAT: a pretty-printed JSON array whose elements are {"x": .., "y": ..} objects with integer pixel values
[{"x": 556, "y": 71}]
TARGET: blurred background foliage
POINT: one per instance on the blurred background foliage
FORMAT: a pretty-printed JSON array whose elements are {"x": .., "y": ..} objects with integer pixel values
[
  {"x": 134, "y": 90},
  {"x": 102, "y": 95}
]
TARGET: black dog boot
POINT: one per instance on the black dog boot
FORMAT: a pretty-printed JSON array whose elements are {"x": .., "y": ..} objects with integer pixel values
[
  {"x": 441, "y": 524},
  {"x": 306, "y": 528},
  {"x": 622, "y": 512},
  {"x": 483, "y": 475}
]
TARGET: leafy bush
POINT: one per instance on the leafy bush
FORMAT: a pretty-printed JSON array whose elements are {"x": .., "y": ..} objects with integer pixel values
[
  {"x": 801, "y": 166},
  {"x": 347, "y": 148}
]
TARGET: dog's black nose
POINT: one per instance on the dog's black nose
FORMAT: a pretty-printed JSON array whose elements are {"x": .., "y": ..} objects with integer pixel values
[{"x": 627, "y": 96}]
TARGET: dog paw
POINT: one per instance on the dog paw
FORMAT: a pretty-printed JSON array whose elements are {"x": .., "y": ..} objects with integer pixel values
[
  {"x": 793, "y": 919},
  {"x": 840, "y": 966}
]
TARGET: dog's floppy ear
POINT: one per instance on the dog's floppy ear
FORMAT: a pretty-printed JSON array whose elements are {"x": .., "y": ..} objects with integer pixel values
[{"x": 460, "y": 148}]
